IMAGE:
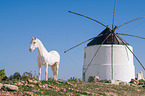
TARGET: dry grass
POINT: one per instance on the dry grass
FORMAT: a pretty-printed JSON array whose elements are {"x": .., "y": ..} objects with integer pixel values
[{"x": 63, "y": 88}]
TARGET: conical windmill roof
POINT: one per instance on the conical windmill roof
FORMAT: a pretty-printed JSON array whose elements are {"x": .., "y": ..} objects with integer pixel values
[{"x": 112, "y": 39}]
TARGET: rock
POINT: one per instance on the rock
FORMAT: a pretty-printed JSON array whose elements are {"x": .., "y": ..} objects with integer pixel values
[
  {"x": 11, "y": 87},
  {"x": 43, "y": 86},
  {"x": 40, "y": 86},
  {"x": 1, "y": 85},
  {"x": 93, "y": 78},
  {"x": 124, "y": 83},
  {"x": 46, "y": 85},
  {"x": 105, "y": 81},
  {"x": 19, "y": 83},
  {"x": 134, "y": 81},
  {"x": 31, "y": 85},
  {"x": 30, "y": 81},
  {"x": 23, "y": 81},
  {"x": 35, "y": 81},
  {"x": 116, "y": 82},
  {"x": 29, "y": 93}
]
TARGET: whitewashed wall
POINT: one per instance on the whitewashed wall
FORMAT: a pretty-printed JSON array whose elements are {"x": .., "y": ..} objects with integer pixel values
[{"x": 122, "y": 68}]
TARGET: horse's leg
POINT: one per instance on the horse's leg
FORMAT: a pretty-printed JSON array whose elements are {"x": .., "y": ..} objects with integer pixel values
[
  {"x": 39, "y": 72},
  {"x": 46, "y": 71},
  {"x": 39, "y": 66},
  {"x": 55, "y": 70}
]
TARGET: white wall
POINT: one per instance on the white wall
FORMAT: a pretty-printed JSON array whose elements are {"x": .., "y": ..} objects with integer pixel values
[{"x": 122, "y": 68}]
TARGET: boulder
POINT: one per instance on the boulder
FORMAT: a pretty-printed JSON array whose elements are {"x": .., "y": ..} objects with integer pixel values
[
  {"x": 93, "y": 78},
  {"x": 11, "y": 87}
]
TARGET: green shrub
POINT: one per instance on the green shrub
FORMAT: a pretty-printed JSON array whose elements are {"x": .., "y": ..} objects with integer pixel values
[
  {"x": 141, "y": 80},
  {"x": 16, "y": 76},
  {"x": 74, "y": 79},
  {"x": 5, "y": 78},
  {"x": 2, "y": 74},
  {"x": 29, "y": 75}
]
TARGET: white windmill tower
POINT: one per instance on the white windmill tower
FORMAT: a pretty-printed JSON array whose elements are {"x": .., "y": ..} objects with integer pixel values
[{"x": 108, "y": 55}]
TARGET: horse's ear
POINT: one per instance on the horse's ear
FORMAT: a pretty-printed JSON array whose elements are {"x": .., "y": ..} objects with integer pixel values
[
  {"x": 35, "y": 37},
  {"x": 32, "y": 38}
]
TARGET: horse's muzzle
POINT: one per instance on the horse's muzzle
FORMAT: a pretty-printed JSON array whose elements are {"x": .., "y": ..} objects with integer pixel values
[{"x": 30, "y": 50}]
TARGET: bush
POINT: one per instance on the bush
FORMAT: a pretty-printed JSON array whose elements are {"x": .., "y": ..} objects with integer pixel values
[
  {"x": 5, "y": 78},
  {"x": 141, "y": 82},
  {"x": 16, "y": 76},
  {"x": 2, "y": 74},
  {"x": 74, "y": 79},
  {"x": 29, "y": 75}
]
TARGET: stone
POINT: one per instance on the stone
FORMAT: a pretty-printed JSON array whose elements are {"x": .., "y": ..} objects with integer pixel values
[
  {"x": 31, "y": 85},
  {"x": 19, "y": 83},
  {"x": 93, "y": 78},
  {"x": 11, "y": 87},
  {"x": 116, "y": 82},
  {"x": 1, "y": 85},
  {"x": 30, "y": 81},
  {"x": 35, "y": 81},
  {"x": 46, "y": 85},
  {"x": 40, "y": 86},
  {"x": 124, "y": 83},
  {"x": 140, "y": 75},
  {"x": 23, "y": 81},
  {"x": 29, "y": 93},
  {"x": 134, "y": 81},
  {"x": 105, "y": 81}
]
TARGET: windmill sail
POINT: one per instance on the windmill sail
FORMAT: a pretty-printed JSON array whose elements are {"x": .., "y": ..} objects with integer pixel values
[
  {"x": 132, "y": 53},
  {"x": 78, "y": 44},
  {"x": 130, "y": 21},
  {"x": 130, "y": 35},
  {"x": 114, "y": 14},
  {"x": 88, "y": 18}
]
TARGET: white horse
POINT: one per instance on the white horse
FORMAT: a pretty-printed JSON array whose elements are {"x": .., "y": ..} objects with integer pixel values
[{"x": 45, "y": 58}]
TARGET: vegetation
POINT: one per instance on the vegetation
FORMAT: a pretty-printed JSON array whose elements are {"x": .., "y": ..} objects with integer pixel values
[
  {"x": 2, "y": 74},
  {"x": 29, "y": 85},
  {"x": 74, "y": 79}
]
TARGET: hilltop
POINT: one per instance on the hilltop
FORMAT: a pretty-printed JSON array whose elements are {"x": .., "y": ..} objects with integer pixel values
[
  {"x": 72, "y": 87},
  {"x": 28, "y": 84}
]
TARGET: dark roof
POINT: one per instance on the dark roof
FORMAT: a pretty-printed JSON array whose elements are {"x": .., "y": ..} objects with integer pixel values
[{"x": 112, "y": 39}]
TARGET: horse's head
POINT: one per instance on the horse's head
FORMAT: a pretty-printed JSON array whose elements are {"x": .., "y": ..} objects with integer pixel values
[{"x": 33, "y": 44}]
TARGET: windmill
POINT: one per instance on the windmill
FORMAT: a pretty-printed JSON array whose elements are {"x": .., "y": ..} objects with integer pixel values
[{"x": 108, "y": 55}]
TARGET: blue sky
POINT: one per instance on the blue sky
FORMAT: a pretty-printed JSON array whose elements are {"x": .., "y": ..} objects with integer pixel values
[{"x": 59, "y": 30}]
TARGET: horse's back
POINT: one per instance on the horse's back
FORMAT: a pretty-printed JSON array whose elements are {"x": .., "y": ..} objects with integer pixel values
[{"x": 55, "y": 54}]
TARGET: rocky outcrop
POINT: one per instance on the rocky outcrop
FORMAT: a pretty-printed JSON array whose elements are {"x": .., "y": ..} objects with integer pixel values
[{"x": 11, "y": 87}]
